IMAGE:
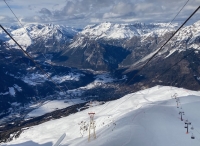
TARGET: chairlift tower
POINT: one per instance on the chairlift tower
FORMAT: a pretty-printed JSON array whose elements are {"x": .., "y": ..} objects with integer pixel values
[
  {"x": 92, "y": 126},
  {"x": 181, "y": 113},
  {"x": 175, "y": 96},
  {"x": 187, "y": 123},
  {"x": 178, "y": 101}
]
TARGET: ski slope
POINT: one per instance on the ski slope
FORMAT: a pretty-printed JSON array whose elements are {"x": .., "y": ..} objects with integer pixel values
[
  {"x": 50, "y": 106},
  {"x": 146, "y": 118}
]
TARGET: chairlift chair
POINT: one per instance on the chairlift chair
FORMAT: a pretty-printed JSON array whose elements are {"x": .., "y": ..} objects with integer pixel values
[
  {"x": 185, "y": 125},
  {"x": 192, "y": 137}
]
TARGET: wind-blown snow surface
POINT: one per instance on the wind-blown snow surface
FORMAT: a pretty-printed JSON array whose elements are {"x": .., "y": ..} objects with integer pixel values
[{"x": 145, "y": 118}]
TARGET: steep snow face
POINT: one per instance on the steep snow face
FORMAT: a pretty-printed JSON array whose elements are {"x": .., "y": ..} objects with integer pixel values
[
  {"x": 148, "y": 117},
  {"x": 186, "y": 38},
  {"x": 33, "y": 32},
  {"x": 189, "y": 33},
  {"x": 21, "y": 37}
]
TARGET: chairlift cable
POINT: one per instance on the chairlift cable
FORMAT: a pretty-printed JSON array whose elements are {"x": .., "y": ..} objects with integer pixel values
[
  {"x": 161, "y": 48},
  {"x": 22, "y": 24},
  {"x": 36, "y": 64},
  {"x": 25, "y": 63}
]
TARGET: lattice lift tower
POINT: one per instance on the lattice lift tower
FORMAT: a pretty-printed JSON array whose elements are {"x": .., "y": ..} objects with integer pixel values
[{"x": 92, "y": 126}]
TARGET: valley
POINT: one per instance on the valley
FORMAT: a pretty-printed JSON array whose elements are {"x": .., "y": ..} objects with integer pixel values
[{"x": 96, "y": 63}]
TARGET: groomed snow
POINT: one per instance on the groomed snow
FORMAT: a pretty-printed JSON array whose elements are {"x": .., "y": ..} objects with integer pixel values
[
  {"x": 145, "y": 118},
  {"x": 50, "y": 106}
]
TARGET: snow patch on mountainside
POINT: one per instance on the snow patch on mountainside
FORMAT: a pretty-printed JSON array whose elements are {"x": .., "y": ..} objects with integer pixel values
[
  {"x": 34, "y": 79},
  {"x": 18, "y": 88},
  {"x": 79, "y": 42},
  {"x": 101, "y": 79},
  {"x": 171, "y": 52},
  {"x": 6, "y": 93},
  {"x": 12, "y": 91},
  {"x": 68, "y": 77}
]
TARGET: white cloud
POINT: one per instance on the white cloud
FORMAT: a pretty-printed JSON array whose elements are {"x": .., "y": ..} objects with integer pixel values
[{"x": 82, "y": 12}]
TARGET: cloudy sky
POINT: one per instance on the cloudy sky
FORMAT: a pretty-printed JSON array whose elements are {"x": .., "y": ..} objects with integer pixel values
[{"x": 79, "y": 13}]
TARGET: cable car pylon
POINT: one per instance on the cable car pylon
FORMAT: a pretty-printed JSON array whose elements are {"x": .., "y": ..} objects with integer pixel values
[
  {"x": 92, "y": 126},
  {"x": 187, "y": 123}
]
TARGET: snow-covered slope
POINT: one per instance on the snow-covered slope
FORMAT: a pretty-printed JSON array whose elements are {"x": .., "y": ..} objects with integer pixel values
[
  {"x": 50, "y": 106},
  {"x": 145, "y": 118}
]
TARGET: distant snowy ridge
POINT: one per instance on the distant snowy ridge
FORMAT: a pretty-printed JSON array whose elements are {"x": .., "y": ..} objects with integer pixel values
[
  {"x": 36, "y": 32},
  {"x": 109, "y": 30},
  {"x": 114, "y": 31}
]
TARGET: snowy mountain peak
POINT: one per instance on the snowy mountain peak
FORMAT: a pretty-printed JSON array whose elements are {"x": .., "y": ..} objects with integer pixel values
[
  {"x": 114, "y": 31},
  {"x": 197, "y": 24},
  {"x": 31, "y": 32},
  {"x": 109, "y": 30}
]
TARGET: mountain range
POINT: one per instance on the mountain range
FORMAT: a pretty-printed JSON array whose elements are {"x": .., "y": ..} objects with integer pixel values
[{"x": 96, "y": 62}]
